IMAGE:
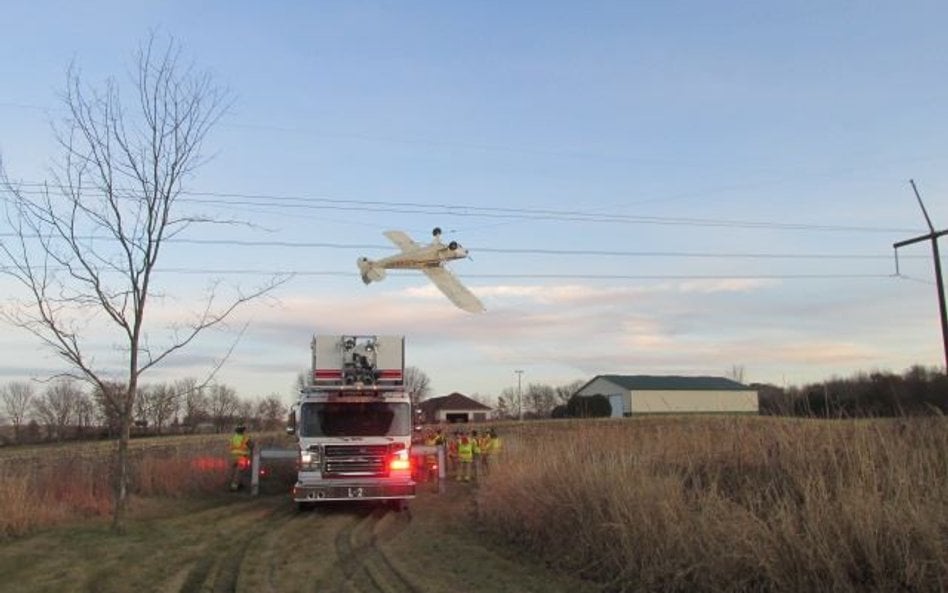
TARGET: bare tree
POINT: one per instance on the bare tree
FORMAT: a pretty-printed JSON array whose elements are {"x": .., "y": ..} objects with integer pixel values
[
  {"x": 165, "y": 409},
  {"x": 271, "y": 412},
  {"x": 17, "y": 399},
  {"x": 160, "y": 404},
  {"x": 417, "y": 384},
  {"x": 502, "y": 411},
  {"x": 222, "y": 405},
  {"x": 85, "y": 412},
  {"x": 736, "y": 373},
  {"x": 194, "y": 401},
  {"x": 141, "y": 409},
  {"x": 56, "y": 407},
  {"x": 245, "y": 410},
  {"x": 540, "y": 398},
  {"x": 510, "y": 402},
  {"x": 86, "y": 246},
  {"x": 564, "y": 392}
]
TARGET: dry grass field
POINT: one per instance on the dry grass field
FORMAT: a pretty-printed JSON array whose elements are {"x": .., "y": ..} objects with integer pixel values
[
  {"x": 52, "y": 484},
  {"x": 647, "y": 504},
  {"x": 730, "y": 503},
  {"x": 191, "y": 541}
]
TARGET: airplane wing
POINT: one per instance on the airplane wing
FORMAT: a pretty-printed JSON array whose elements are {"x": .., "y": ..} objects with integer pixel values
[
  {"x": 402, "y": 240},
  {"x": 453, "y": 289}
]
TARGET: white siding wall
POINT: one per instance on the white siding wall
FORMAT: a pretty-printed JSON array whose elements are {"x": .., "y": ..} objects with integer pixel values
[
  {"x": 607, "y": 388},
  {"x": 472, "y": 416},
  {"x": 652, "y": 402}
]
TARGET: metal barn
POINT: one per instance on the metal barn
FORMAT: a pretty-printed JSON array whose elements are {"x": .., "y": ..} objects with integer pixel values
[{"x": 650, "y": 394}]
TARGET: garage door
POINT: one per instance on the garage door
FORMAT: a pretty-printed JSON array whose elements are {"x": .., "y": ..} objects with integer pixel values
[{"x": 616, "y": 401}]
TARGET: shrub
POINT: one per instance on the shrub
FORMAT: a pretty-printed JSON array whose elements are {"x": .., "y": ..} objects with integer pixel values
[{"x": 591, "y": 406}]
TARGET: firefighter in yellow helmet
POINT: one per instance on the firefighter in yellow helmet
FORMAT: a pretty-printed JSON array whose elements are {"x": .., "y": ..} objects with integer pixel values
[
  {"x": 484, "y": 444},
  {"x": 465, "y": 457},
  {"x": 240, "y": 447},
  {"x": 495, "y": 443}
]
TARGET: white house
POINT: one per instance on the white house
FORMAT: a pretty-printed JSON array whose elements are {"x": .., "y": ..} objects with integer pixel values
[
  {"x": 454, "y": 407},
  {"x": 649, "y": 394}
]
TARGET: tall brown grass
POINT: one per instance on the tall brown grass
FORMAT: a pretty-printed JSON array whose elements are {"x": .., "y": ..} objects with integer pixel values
[
  {"x": 48, "y": 486},
  {"x": 729, "y": 503}
]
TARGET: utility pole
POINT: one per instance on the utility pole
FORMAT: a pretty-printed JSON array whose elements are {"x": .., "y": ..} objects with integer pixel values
[
  {"x": 933, "y": 237},
  {"x": 520, "y": 392}
]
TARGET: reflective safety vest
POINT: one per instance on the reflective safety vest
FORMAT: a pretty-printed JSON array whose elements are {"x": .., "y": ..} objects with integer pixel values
[
  {"x": 495, "y": 445},
  {"x": 431, "y": 441},
  {"x": 240, "y": 445},
  {"x": 465, "y": 449},
  {"x": 484, "y": 443}
]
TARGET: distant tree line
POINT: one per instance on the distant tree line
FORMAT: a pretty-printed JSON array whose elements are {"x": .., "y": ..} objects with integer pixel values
[
  {"x": 917, "y": 391},
  {"x": 535, "y": 400},
  {"x": 63, "y": 410}
]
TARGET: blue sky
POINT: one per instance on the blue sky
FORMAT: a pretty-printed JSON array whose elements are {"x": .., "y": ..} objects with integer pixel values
[{"x": 645, "y": 187}]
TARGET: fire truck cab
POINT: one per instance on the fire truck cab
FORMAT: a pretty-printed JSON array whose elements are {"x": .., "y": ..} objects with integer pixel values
[{"x": 353, "y": 423}]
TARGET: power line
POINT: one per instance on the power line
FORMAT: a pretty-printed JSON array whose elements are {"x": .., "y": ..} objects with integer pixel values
[
  {"x": 540, "y": 276},
  {"x": 514, "y": 251},
  {"x": 506, "y": 276},
  {"x": 319, "y": 203}
]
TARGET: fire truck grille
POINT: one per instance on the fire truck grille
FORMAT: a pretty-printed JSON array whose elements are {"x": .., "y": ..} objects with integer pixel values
[{"x": 355, "y": 460}]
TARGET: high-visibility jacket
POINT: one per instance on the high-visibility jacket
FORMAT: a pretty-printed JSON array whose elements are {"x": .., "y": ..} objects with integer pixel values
[
  {"x": 495, "y": 445},
  {"x": 465, "y": 449},
  {"x": 239, "y": 445},
  {"x": 431, "y": 441},
  {"x": 484, "y": 444}
]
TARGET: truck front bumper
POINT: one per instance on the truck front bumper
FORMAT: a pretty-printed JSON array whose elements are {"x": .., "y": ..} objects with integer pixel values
[{"x": 362, "y": 489}]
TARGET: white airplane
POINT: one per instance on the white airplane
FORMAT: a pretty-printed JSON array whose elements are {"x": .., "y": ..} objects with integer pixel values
[{"x": 430, "y": 259}]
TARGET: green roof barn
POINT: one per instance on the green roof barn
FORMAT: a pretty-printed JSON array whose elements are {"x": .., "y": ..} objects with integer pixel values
[{"x": 671, "y": 394}]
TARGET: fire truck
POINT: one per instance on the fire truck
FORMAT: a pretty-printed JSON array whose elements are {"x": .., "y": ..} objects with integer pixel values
[{"x": 353, "y": 423}]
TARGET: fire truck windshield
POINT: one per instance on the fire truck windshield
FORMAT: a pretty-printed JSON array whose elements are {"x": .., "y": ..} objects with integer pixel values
[{"x": 361, "y": 419}]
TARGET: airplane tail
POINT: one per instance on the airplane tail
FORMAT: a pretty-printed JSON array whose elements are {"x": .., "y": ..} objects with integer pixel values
[{"x": 370, "y": 272}]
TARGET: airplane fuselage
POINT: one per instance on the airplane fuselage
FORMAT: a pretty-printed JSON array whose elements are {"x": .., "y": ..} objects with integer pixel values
[
  {"x": 429, "y": 256},
  {"x": 430, "y": 259}
]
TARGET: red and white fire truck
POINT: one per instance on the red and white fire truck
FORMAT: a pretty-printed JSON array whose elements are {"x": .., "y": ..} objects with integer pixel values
[{"x": 353, "y": 423}]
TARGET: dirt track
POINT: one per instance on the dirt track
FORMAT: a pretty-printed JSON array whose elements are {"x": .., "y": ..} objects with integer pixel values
[{"x": 264, "y": 545}]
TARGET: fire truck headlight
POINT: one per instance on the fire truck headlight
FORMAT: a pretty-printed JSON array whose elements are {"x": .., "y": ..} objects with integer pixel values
[{"x": 309, "y": 460}]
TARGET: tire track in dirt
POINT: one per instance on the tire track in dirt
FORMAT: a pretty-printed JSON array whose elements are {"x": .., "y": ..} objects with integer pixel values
[
  {"x": 220, "y": 566},
  {"x": 361, "y": 565},
  {"x": 290, "y": 556}
]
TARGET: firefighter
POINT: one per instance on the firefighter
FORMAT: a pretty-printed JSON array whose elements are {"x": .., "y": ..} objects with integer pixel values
[
  {"x": 465, "y": 457},
  {"x": 495, "y": 442},
  {"x": 485, "y": 445},
  {"x": 240, "y": 447},
  {"x": 453, "y": 452},
  {"x": 431, "y": 459},
  {"x": 492, "y": 447},
  {"x": 476, "y": 450}
]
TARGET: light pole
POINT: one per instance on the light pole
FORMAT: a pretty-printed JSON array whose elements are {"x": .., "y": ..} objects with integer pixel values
[{"x": 520, "y": 392}]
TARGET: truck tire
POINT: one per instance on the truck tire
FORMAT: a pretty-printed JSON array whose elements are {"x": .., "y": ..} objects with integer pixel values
[
  {"x": 304, "y": 506},
  {"x": 399, "y": 505}
]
